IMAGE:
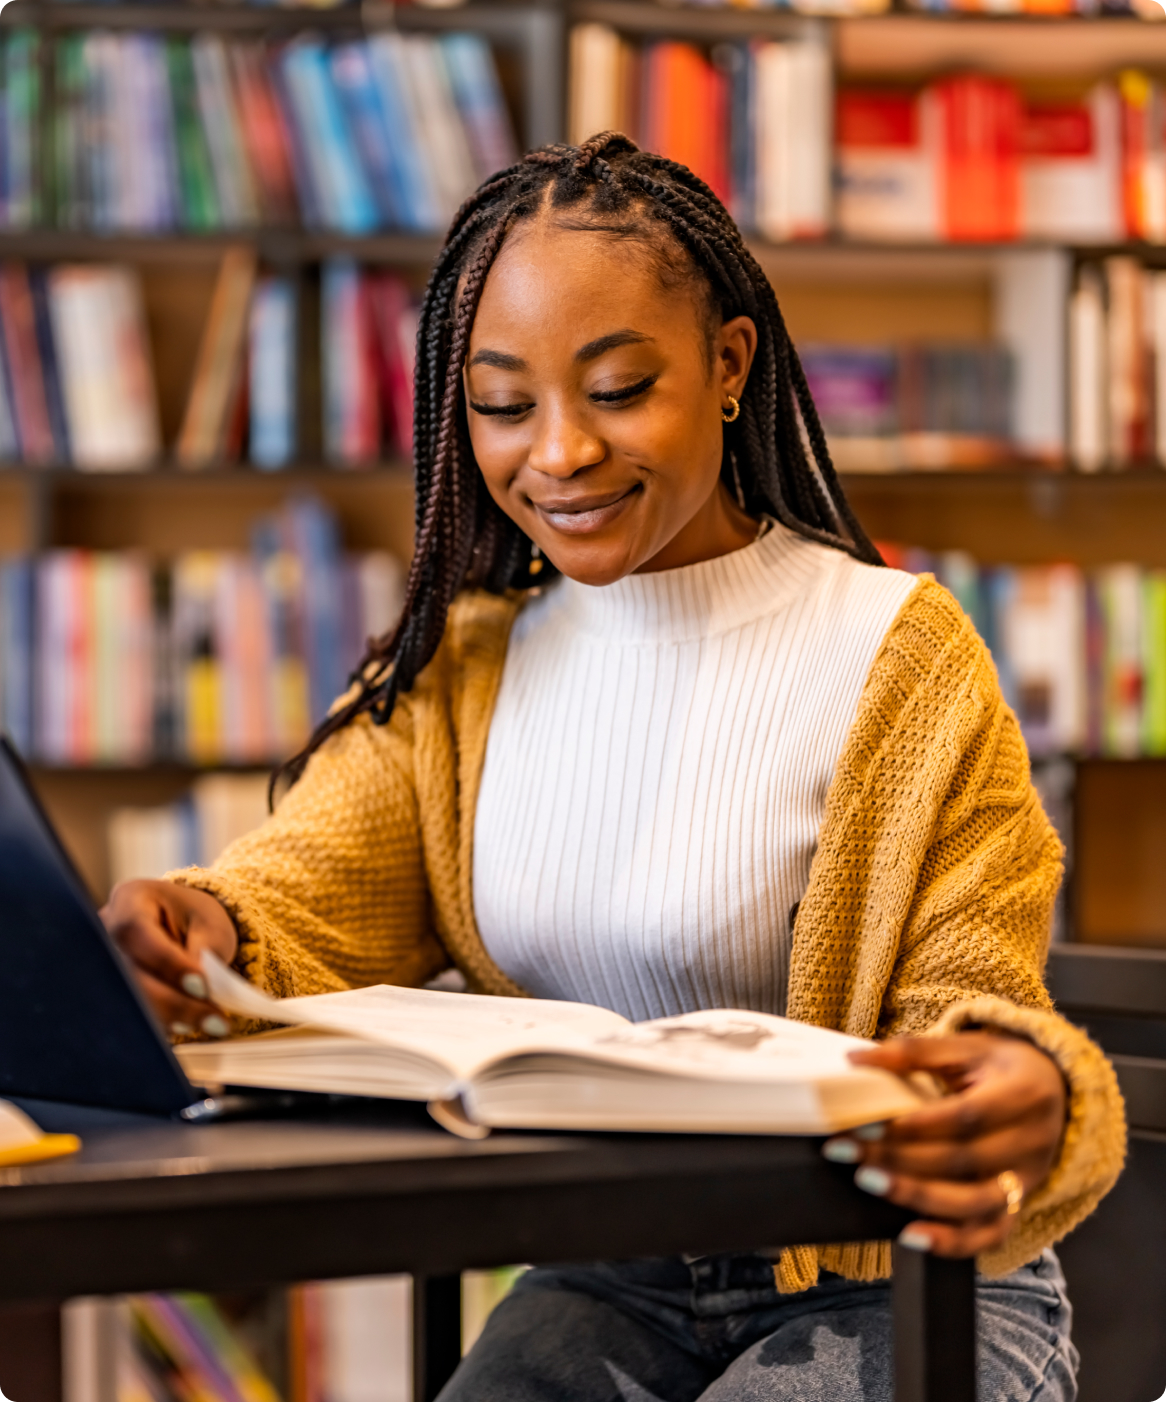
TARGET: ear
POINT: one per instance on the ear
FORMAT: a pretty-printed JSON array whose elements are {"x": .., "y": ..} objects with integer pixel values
[{"x": 735, "y": 347}]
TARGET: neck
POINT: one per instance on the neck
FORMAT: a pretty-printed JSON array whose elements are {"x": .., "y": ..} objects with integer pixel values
[{"x": 718, "y": 528}]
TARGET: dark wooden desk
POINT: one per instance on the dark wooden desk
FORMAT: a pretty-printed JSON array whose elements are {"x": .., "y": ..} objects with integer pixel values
[{"x": 160, "y": 1206}]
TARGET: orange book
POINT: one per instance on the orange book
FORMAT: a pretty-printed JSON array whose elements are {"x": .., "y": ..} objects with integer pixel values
[
  {"x": 980, "y": 177},
  {"x": 684, "y": 111},
  {"x": 1136, "y": 93},
  {"x": 213, "y": 405}
]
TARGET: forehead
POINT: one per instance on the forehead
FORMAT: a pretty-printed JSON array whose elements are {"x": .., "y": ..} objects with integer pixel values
[{"x": 550, "y": 284}]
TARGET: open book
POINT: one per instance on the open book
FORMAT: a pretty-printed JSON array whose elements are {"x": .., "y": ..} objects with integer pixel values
[{"x": 537, "y": 1064}]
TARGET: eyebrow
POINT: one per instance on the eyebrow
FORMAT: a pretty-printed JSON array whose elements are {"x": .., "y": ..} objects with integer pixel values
[
  {"x": 501, "y": 360},
  {"x": 594, "y": 349}
]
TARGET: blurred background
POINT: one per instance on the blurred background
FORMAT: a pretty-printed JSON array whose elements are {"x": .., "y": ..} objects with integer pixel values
[{"x": 216, "y": 220}]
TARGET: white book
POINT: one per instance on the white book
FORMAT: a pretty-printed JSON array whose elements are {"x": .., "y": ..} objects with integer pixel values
[
  {"x": 1156, "y": 322},
  {"x": 1031, "y": 292},
  {"x": 234, "y": 183},
  {"x": 107, "y": 381},
  {"x": 891, "y": 192},
  {"x": 1074, "y": 194},
  {"x": 1088, "y": 385},
  {"x": 594, "y": 94},
  {"x": 1125, "y": 357},
  {"x": 539, "y": 1064},
  {"x": 1044, "y": 634},
  {"x": 811, "y": 138},
  {"x": 146, "y": 843}
]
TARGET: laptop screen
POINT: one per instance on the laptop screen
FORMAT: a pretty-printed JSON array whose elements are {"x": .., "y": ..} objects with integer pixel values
[{"x": 73, "y": 1026}]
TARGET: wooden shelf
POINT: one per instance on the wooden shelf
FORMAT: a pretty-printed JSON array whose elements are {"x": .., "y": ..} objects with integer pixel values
[
  {"x": 286, "y": 246},
  {"x": 1019, "y": 517},
  {"x": 836, "y": 259}
]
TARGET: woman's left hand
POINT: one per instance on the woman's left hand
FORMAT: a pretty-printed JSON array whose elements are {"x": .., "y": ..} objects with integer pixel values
[{"x": 1005, "y": 1112}]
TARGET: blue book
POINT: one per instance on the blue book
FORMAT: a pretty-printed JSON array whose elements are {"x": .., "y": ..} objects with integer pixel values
[
  {"x": 16, "y": 606},
  {"x": 346, "y": 201},
  {"x": 478, "y": 94},
  {"x": 50, "y": 369},
  {"x": 390, "y": 69},
  {"x": 354, "y": 83},
  {"x": 315, "y": 538},
  {"x": 272, "y": 373}
]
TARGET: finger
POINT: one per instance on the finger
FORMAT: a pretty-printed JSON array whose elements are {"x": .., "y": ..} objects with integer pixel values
[
  {"x": 934, "y": 1197},
  {"x": 181, "y": 1015},
  {"x": 995, "y": 1103},
  {"x": 155, "y": 952},
  {"x": 949, "y": 1055},
  {"x": 956, "y": 1242},
  {"x": 964, "y": 1160}
]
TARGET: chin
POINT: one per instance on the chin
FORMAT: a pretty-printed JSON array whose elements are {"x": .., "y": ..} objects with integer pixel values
[{"x": 593, "y": 563}]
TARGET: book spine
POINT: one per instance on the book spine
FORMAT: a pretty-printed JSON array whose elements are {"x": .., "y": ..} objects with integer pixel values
[
  {"x": 200, "y": 203},
  {"x": 273, "y": 338}
]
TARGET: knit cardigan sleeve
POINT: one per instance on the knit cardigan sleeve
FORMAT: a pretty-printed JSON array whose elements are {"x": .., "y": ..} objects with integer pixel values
[
  {"x": 332, "y": 892},
  {"x": 952, "y": 869}
]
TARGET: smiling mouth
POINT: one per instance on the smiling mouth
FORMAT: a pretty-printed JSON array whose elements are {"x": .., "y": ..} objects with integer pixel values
[{"x": 582, "y": 515}]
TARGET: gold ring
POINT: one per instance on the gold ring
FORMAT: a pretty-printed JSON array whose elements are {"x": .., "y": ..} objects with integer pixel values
[
  {"x": 1013, "y": 1190},
  {"x": 730, "y": 414}
]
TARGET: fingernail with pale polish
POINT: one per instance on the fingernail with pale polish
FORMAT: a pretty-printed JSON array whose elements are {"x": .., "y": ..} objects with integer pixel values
[
  {"x": 182, "y": 1029},
  {"x": 194, "y": 985},
  {"x": 873, "y": 1180},
  {"x": 870, "y": 1132},
  {"x": 914, "y": 1240},
  {"x": 215, "y": 1026},
  {"x": 841, "y": 1151}
]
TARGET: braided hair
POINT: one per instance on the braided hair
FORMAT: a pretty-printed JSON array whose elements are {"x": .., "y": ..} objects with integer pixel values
[{"x": 776, "y": 460}]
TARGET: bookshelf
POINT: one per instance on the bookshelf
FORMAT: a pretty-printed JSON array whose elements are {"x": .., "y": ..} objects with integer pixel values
[{"x": 829, "y": 288}]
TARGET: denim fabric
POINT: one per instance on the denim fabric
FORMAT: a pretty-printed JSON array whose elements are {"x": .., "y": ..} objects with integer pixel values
[{"x": 716, "y": 1329}]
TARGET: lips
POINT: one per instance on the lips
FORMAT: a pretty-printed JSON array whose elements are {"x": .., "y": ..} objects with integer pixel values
[{"x": 583, "y": 514}]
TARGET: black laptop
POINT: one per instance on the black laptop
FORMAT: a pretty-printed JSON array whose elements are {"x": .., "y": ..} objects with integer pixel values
[{"x": 73, "y": 1026}]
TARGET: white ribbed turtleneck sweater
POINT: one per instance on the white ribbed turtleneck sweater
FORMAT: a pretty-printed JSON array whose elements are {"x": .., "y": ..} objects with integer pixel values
[{"x": 656, "y": 774}]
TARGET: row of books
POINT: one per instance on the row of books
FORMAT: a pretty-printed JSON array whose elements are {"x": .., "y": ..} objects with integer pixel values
[
  {"x": 1143, "y": 9},
  {"x": 913, "y": 407},
  {"x": 151, "y": 132},
  {"x": 1117, "y": 365},
  {"x": 77, "y": 383},
  {"x": 967, "y": 157},
  {"x": 1081, "y": 654},
  {"x": 333, "y": 1341},
  {"x": 111, "y": 658}
]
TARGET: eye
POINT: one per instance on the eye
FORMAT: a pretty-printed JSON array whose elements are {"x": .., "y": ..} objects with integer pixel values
[
  {"x": 624, "y": 396},
  {"x": 501, "y": 411}
]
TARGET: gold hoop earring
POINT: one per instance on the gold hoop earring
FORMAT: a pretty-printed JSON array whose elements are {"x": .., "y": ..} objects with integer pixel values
[
  {"x": 730, "y": 414},
  {"x": 536, "y": 559}
]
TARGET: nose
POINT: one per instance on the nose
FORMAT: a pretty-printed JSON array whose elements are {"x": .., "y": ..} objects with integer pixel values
[{"x": 563, "y": 444}]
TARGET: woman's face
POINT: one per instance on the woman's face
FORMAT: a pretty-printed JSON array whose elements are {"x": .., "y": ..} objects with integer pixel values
[{"x": 594, "y": 401}]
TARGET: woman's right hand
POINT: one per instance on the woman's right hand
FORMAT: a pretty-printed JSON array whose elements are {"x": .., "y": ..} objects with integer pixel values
[{"x": 162, "y": 929}]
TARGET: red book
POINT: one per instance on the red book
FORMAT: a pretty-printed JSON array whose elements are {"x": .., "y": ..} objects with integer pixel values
[
  {"x": 980, "y": 181},
  {"x": 18, "y": 325},
  {"x": 394, "y": 320}
]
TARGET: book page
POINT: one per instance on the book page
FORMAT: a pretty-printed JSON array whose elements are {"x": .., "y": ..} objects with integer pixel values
[
  {"x": 460, "y": 1031},
  {"x": 728, "y": 1045}
]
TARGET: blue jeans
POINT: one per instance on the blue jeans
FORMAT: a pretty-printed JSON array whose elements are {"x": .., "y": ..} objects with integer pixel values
[{"x": 716, "y": 1329}]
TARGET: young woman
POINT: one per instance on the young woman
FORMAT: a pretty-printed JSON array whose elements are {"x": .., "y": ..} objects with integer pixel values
[{"x": 658, "y": 731}]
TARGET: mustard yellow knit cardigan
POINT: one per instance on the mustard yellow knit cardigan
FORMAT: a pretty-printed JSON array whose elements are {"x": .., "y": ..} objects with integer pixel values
[{"x": 927, "y": 908}]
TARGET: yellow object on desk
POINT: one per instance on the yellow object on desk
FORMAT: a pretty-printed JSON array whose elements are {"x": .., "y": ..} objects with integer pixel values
[{"x": 21, "y": 1140}]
